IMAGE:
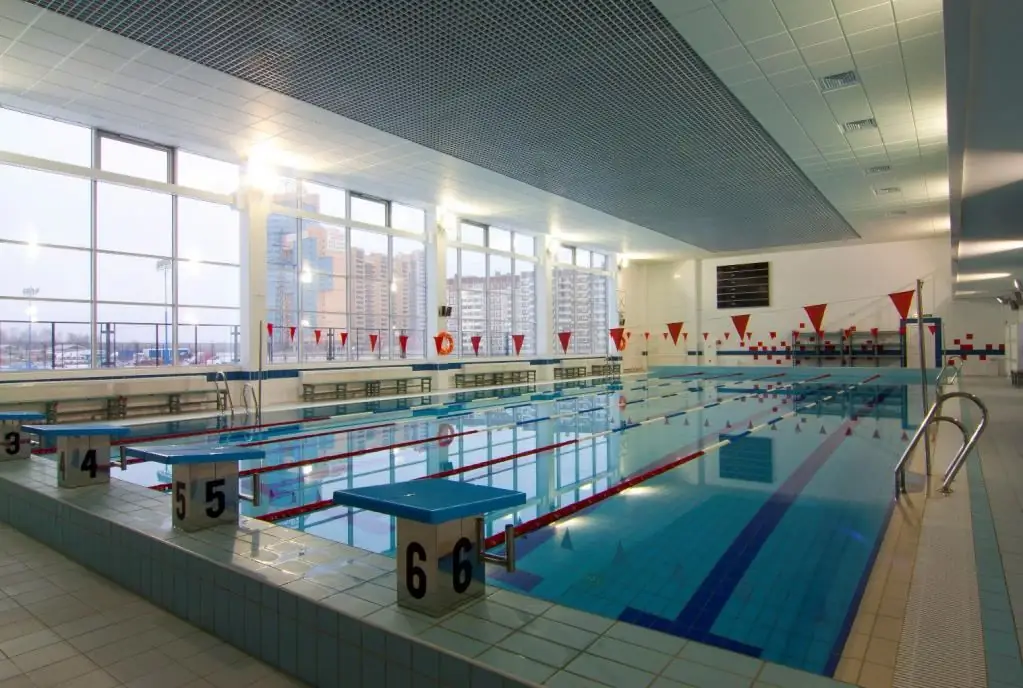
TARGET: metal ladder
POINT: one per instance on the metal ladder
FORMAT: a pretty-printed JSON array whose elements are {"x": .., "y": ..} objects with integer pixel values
[
  {"x": 249, "y": 391},
  {"x": 934, "y": 416},
  {"x": 224, "y": 393}
]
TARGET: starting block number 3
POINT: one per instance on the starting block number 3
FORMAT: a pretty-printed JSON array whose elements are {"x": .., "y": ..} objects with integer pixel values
[{"x": 12, "y": 443}]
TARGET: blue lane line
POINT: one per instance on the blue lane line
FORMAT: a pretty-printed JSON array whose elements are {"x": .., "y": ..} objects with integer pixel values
[
  {"x": 533, "y": 420},
  {"x": 672, "y": 394},
  {"x": 591, "y": 410},
  {"x": 710, "y": 406},
  {"x": 705, "y": 605}
]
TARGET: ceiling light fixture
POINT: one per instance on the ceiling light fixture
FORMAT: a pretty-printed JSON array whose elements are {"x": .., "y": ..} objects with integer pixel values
[
  {"x": 980, "y": 276},
  {"x": 971, "y": 249}
]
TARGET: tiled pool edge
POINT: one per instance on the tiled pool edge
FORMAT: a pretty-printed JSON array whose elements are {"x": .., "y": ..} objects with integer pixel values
[
  {"x": 248, "y": 606},
  {"x": 248, "y": 609}
]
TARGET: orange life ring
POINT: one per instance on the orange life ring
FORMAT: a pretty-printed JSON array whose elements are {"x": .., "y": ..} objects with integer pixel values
[
  {"x": 622, "y": 342},
  {"x": 446, "y": 435},
  {"x": 445, "y": 344},
  {"x": 622, "y": 403}
]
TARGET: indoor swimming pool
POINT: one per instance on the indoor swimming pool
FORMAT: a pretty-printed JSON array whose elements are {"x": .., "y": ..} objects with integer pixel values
[{"x": 739, "y": 508}]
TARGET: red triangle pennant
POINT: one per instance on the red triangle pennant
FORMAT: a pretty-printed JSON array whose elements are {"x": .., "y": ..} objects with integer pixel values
[
  {"x": 816, "y": 314},
  {"x": 373, "y": 342},
  {"x": 685, "y": 336},
  {"x": 664, "y": 335},
  {"x": 344, "y": 338},
  {"x": 617, "y": 336},
  {"x": 628, "y": 335},
  {"x": 902, "y": 301},
  {"x": 646, "y": 336},
  {"x": 674, "y": 329},
  {"x": 517, "y": 340},
  {"x": 874, "y": 331},
  {"x": 476, "y": 339},
  {"x": 933, "y": 329},
  {"x": 317, "y": 334},
  {"x": 727, "y": 334},
  {"x": 774, "y": 335},
  {"x": 564, "y": 338},
  {"x": 705, "y": 335},
  {"x": 291, "y": 331},
  {"x": 269, "y": 329},
  {"x": 740, "y": 322},
  {"x": 403, "y": 343}
]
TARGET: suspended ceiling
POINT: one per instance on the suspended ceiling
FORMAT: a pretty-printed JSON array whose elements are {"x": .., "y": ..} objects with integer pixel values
[{"x": 600, "y": 102}]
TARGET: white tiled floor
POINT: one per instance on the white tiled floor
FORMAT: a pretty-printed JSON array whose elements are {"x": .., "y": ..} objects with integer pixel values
[{"x": 62, "y": 626}]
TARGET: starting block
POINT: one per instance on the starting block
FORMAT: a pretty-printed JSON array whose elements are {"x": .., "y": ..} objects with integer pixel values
[
  {"x": 13, "y": 442},
  {"x": 83, "y": 451},
  {"x": 441, "y": 562},
  {"x": 204, "y": 481}
]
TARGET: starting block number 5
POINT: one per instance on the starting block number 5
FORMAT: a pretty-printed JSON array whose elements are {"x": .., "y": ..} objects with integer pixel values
[{"x": 216, "y": 500}]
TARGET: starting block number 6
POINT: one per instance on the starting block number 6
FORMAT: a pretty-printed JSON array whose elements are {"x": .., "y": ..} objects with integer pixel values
[{"x": 461, "y": 568}]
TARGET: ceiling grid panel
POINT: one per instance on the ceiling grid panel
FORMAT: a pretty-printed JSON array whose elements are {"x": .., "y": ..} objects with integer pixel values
[{"x": 602, "y": 102}]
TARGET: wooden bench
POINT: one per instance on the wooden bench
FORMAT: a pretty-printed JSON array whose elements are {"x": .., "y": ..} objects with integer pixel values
[
  {"x": 327, "y": 384},
  {"x": 605, "y": 369},
  {"x": 494, "y": 378},
  {"x": 569, "y": 372}
]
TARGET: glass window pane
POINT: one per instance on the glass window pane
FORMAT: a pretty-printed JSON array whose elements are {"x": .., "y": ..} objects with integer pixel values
[
  {"x": 133, "y": 279},
  {"x": 282, "y": 270},
  {"x": 500, "y": 273},
  {"x": 38, "y": 267},
  {"x": 203, "y": 284},
  {"x": 208, "y": 231},
  {"x": 525, "y": 245},
  {"x": 471, "y": 234},
  {"x": 499, "y": 239},
  {"x": 133, "y": 220},
  {"x": 42, "y": 137},
  {"x": 325, "y": 200},
  {"x": 323, "y": 249},
  {"x": 564, "y": 255},
  {"x": 133, "y": 336},
  {"x": 44, "y": 335},
  {"x": 133, "y": 160},
  {"x": 28, "y": 212},
  {"x": 369, "y": 211},
  {"x": 208, "y": 174},
  {"x": 408, "y": 296},
  {"x": 473, "y": 270},
  {"x": 323, "y": 294},
  {"x": 286, "y": 192},
  {"x": 407, "y": 218},
  {"x": 600, "y": 261},
  {"x": 582, "y": 258},
  {"x": 208, "y": 336}
]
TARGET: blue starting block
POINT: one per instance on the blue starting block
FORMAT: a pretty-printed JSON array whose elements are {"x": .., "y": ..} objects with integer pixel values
[
  {"x": 83, "y": 451},
  {"x": 440, "y": 537},
  {"x": 13, "y": 443},
  {"x": 204, "y": 481}
]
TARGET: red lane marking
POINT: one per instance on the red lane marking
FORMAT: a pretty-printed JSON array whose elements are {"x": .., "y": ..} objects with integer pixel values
[
  {"x": 819, "y": 377},
  {"x": 325, "y": 433},
  {"x": 492, "y": 462},
  {"x": 322, "y": 504},
  {"x": 557, "y": 514},
  {"x": 757, "y": 379},
  {"x": 333, "y": 457},
  {"x": 872, "y": 377}
]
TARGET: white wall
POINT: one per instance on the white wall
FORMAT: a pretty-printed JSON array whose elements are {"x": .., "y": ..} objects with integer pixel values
[{"x": 854, "y": 280}]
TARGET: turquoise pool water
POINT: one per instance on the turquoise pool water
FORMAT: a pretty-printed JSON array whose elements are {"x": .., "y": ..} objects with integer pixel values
[{"x": 761, "y": 544}]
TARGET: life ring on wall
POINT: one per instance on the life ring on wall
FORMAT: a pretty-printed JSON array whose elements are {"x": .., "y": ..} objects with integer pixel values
[
  {"x": 446, "y": 435},
  {"x": 622, "y": 402},
  {"x": 445, "y": 344},
  {"x": 622, "y": 343}
]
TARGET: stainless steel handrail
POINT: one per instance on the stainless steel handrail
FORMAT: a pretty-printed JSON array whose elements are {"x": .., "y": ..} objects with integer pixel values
[
  {"x": 957, "y": 461},
  {"x": 219, "y": 377},
  {"x": 247, "y": 391}
]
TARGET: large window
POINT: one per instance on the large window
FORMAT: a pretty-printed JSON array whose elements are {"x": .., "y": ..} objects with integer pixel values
[
  {"x": 491, "y": 288},
  {"x": 582, "y": 289},
  {"x": 341, "y": 285},
  {"x": 97, "y": 273}
]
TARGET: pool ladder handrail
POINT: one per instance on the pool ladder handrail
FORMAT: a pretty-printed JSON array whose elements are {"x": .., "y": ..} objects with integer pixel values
[
  {"x": 247, "y": 391},
  {"x": 934, "y": 416},
  {"x": 508, "y": 560},
  {"x": 225, "y": 394}
]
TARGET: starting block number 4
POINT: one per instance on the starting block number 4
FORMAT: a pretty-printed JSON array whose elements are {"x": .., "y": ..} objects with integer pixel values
[{"x": 83, "y": 461}]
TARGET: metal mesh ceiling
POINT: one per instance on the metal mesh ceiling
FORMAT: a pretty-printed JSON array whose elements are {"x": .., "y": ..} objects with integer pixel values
[{"x": 598, "y": 101}]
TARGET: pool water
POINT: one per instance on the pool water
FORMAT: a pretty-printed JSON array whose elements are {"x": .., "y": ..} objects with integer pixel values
[{"x": 762, "y": 544}]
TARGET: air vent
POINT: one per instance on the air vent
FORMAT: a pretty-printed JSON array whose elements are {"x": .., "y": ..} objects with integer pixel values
[
  {"x": 878, "y": 169},
  {"x": 887, "y": 190},
  {"x": 859, "y": 125},
  {"x": 834, "y": 82},
  {"x": 895, "y": 213}
]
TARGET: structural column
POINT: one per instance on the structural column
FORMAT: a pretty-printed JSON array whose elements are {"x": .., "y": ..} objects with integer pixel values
[{"x": 254, "y": 209}]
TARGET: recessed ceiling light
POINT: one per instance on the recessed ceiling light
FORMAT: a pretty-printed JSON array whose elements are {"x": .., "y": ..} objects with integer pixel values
[
  {"x": 895, "y": 213},
  {"x": 980, "y": 276},
  {"x": 887, "y": 190},
  {"x": 860, "y": 125},
  {"x": 878, "y": 169},
  {"x": 970, "y": 249}
]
